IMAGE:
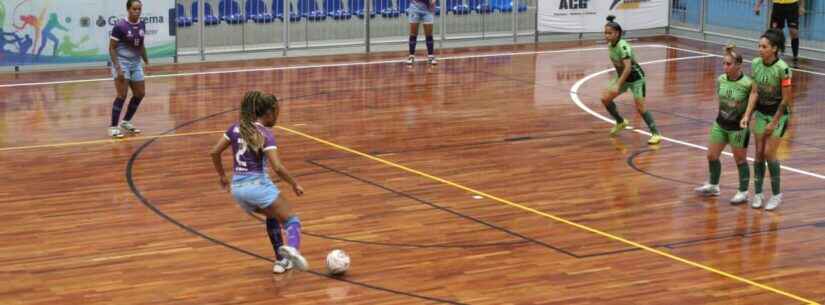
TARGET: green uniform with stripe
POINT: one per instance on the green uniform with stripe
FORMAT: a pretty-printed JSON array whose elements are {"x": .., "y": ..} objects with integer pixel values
[
  {"x": 768, "y": 80},
  {"x": 636, "y": 80},
  {"x": 733, "y": 103}
]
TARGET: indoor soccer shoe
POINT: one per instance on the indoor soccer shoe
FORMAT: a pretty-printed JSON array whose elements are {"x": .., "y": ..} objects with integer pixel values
[
  {"x": 281, "y": 266},
  {"x": 295, "y": 257},
  {"x": 655, "y": 139},
  {"x": 128, "y": 127},
  {"x": 757, "y": 201},
  {"x": 619, "y": 127},
  {"x": 740, "y": 197},
  {"x": 410, "y": 60},
  {"x": 431, "y": 60},
  {"x": 115, "y": 132},
  {"x": 707, "y": 190},
  {"x": 774, "y": 202}
]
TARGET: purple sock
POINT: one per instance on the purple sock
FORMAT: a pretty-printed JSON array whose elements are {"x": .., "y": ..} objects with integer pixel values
[
  {"x": 430, "y": 45},
  {"x": 293, "y": 232}
]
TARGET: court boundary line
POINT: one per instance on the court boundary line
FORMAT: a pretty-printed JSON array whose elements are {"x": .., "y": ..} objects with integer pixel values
[{"x": 315, "y": 66}]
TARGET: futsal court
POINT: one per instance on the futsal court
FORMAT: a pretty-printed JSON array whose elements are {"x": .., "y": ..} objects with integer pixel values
[{"x": 487, "y": 179}]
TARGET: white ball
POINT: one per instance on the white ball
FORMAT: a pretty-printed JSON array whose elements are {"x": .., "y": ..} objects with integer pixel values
[{"x": 337, "y": 262}]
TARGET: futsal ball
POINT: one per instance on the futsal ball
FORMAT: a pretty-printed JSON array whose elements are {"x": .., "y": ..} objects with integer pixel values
[{"x": 337, "y": 262}]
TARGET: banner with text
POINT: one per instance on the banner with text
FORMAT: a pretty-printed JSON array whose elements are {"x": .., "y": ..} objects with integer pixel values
[
  {"x": 583, "y": 16},
  {"x": 66, "y": 31}
]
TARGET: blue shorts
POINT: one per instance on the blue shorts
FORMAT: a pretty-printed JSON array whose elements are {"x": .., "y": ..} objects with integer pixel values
[
  {"x": 417, "y": 14},
  {"x": 132, "y": 70},
  {"x": 253, "y": 192}
]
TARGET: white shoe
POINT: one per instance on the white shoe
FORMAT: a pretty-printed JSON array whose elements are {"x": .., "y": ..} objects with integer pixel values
[
  {"x": 431, "y": 60},
  {"x": 774, "y": 202},
  {"x": 410, "y": 60},
  {"x": 740, "y": 197},
  {"x": 281, "y": 266},
  {"x": 292, "y": 254},
  {"x": 128, "y": 127},
  {"x": 115, "y": 132},
  {"x": 757, "y": 200},
  {"x": 708, "y": 190}
]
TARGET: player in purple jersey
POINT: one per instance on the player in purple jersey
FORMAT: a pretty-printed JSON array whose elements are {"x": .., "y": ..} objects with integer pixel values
[
  {"x": 253, "y": 145},
  {"x": 421, "y": 11},
  {"x": 126, "y": 49}
]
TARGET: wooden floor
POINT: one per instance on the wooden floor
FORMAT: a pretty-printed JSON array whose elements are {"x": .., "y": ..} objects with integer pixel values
[{"x": 486, "y": 183}]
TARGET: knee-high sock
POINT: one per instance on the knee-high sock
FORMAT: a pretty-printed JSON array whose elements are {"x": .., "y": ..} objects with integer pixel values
[
  {"x": 117, "y": 106},
  {"x": 273, "y": 230},
  {"x": 715, "y": 167},
  {"x": 611, "y": 108},
  {"x": 134, "y": 103},
  {"x": 293, "y": 232},
  {"x": 650, "y": 122},
  {"x": 758, "y": 175},
  {"x": 744, "y": 176},
  {"x": 413, "y": 41},
  {"x": 773, "y": 168}
]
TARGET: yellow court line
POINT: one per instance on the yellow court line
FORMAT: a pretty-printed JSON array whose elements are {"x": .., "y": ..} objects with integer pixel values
[
  {"x": 553, "y": 217},
  {"x": 109, "y": 141}
]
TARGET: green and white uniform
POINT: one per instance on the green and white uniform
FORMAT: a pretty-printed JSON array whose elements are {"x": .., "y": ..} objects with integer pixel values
[
  {"x": 636, "y": 80},
  {"x": 733, "y": 103},
  {"x": 769, "y": 80}
]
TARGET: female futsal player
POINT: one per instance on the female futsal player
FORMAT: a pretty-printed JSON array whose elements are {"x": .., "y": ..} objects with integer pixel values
[
  {"x": 630, "y": 76},
  {"x": 773, "y": 108},
  {"x": 421, "y": 11},
  {"x": 735, "y": 90},
  {"x": 126, "y": 49},
  {"x": 253, "y": 145}
]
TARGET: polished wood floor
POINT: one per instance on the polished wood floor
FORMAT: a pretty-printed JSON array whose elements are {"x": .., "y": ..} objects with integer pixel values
[{"x": 88, "y": 220}]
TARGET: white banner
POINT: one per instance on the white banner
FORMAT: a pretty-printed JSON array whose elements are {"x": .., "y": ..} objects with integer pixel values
[
  {"x": 61, "y": 31},
  {"x": 583, "y": 16}
]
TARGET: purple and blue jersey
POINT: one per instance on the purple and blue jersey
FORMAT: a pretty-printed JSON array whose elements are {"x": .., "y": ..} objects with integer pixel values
[
  {"x": 247, "y": 161},
  {"x": 130, "y": 39}
]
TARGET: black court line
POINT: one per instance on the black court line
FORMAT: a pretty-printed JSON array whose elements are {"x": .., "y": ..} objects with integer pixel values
[
  {"x": 147, "y": 203},
  {"x": 445, "y": 209},
  {"x": 401, "y": 245}
]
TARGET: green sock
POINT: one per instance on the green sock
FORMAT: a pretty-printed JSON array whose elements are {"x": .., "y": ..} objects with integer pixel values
[
  {"x": 773, "y": 167},
  {"x": 715, "y": 171},
  {"x": 611, "y": 108},
  {"x": 758, "y": 175},
  {"x": 744, "y": 176},
  {"x": 650, "y": 122}
]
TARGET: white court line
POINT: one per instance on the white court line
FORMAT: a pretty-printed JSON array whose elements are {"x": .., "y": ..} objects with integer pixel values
[
  {"x": 316, "y": 66},
  {"x": 716, "y": 55},
  {"x": 574, "y": 95}
]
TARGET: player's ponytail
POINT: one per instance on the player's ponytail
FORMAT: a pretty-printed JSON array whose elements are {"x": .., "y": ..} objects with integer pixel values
[
  {"x": 614, "y": 25},
  {"x": 249, "y": 109},
  {"x": 730, "y": 50}
]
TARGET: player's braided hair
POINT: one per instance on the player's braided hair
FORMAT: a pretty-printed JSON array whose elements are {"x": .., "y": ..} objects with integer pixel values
[{"x": 255, "y": 104}]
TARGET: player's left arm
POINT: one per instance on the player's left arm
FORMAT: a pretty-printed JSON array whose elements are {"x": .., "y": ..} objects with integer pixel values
[
  {"x": 281, "y": 171},
  {"x": 787, "y": 99},
  {"x": 143, "y": 53},
  {"x": 801, "y": 7}
]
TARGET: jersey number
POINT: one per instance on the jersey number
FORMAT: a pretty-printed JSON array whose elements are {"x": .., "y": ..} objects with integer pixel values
[{"x": 241, "y": 151}]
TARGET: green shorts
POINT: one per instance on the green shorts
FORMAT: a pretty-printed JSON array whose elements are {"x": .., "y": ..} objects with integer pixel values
[
  {"x": 637, "y": 88},
  {"x": 736, "y": 138},
  {"x": 761, "y": 120}
]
